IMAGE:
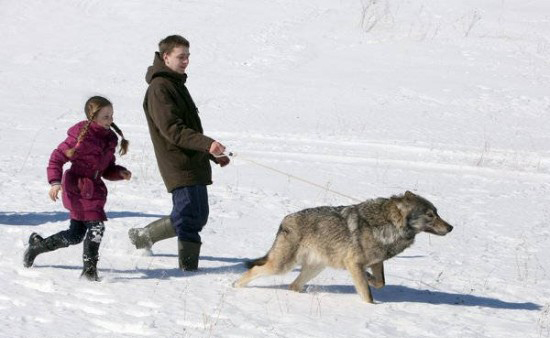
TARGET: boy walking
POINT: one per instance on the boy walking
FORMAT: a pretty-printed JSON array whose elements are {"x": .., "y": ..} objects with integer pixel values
[{"x": 183, "y": 153}]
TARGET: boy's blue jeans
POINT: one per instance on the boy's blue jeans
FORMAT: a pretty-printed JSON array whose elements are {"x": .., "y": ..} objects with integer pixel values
[{"x": 190, "y": 212}]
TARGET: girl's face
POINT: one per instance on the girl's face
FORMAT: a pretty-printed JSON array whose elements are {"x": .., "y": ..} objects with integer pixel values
[{"x": 104, "y": 117}]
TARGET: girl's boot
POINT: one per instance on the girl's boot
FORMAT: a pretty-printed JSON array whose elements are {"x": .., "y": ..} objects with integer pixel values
[
  {"x": 38, "y": 245},
  {"x": 90, "y": 269},
  {"x": 90, "y": 255}
]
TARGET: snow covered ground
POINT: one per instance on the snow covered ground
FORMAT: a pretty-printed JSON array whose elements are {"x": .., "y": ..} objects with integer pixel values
[{"x": 449, "y": 99}]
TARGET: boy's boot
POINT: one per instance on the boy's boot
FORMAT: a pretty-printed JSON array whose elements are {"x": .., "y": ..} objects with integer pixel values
[
  {"x": 144, "y": 238},
  {"x": 38, "y": 245},
  {"x": 90, "y": 255},
  {"x": 188, "y": 255}
]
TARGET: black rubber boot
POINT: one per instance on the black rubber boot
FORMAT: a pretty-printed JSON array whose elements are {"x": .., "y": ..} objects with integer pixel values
[
  {"x": 90, "y": 269},
  {"x": 188, "y": 255},
  {"x": 144, "y": 238},
  {"x": 90, "y": 255},
  {"x": 38, "y": 245}
]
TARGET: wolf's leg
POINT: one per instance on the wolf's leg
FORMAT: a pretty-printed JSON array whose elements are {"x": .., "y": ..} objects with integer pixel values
[
  {"x": 255, "y": 272},
  {"x": 377, "y": 279},
  {"x": 359, "y": 278},
  {"x": 281, "y": 257},
  {"x": 307, "y": 273}
]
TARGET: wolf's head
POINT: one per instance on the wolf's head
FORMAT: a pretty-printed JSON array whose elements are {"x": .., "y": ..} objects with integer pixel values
[{"x": 420, "y": 214}]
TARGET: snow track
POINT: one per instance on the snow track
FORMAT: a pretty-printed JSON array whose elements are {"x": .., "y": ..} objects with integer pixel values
[{"x": 486, "y": 162}]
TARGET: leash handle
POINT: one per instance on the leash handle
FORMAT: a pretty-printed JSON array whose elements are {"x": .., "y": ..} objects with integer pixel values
[{"x": 229, "y": 154}]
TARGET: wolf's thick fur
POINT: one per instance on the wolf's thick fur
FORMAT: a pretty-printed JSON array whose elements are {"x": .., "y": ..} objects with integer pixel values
[{"x": 353, "y": 237}]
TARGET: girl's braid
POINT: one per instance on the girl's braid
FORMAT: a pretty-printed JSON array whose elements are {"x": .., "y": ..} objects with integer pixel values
[
  {"x": 92, "y": 106},
  {"x": 124, "y": 143},
  {"x": 70, "y": 152}
]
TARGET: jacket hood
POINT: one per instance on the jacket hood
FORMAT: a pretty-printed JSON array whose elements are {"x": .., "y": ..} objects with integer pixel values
[{"x": 160, "y": 69}]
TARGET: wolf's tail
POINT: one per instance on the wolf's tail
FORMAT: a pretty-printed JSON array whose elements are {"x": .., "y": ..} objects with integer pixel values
[{"x": 256, "y": 262}]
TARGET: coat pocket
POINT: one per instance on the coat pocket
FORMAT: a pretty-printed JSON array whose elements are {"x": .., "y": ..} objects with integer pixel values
[{"x": 86, "y": 187}]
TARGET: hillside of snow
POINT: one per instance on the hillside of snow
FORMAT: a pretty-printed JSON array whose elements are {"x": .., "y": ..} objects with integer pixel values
[{"x": 365, "y": 98}]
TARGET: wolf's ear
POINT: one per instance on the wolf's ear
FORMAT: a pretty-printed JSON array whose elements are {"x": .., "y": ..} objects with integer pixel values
[
  {"x": 400, "y": 204},
  {"x": 398, "y": 213},
  {"x": 409, "y": 194}
]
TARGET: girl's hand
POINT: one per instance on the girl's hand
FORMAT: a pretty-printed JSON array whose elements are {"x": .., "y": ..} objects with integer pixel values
[
  {"x": 126, "y": 174},
  {"x": 54, "y": 191}
]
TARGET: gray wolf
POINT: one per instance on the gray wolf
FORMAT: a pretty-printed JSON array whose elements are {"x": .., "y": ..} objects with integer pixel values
[{"x": 354, "y": 237}]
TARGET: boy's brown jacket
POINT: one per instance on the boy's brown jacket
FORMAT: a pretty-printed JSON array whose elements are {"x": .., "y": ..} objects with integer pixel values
[{"x": 181, "y": 149}]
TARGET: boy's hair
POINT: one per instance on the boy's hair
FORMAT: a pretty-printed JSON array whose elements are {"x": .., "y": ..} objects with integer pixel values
[
  {"x": 92, "y": 106},
  {"x": 167, "y": 45}
]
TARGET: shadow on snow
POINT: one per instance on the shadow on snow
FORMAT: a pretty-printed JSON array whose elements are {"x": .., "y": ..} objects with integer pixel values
[
  {"x": 388, "y": 294},
  {"x": 160, "y": 273},
  {"x": 38, "y": 218},
  {"x": 402, "y": 294}
]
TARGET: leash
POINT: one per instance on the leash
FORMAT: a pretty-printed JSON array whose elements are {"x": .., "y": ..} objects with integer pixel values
[{"x": 234, "y": 155}]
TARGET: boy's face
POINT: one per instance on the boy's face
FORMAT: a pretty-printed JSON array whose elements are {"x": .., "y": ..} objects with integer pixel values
[
  {"x": 177, "y": 60},
  {"x": 104, "y": 117}
]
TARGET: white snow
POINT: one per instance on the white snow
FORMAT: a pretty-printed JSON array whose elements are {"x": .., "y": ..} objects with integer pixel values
[{"x": 448, "y": 99}]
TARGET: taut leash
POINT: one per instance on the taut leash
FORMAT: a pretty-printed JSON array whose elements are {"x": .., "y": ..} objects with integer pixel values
[{"x": 234, "y": 155}]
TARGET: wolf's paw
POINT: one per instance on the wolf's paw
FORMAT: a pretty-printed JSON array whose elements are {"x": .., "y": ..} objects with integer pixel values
[
  {"x": 297, "y": 288},
  {"x": 375, "y": 283}
]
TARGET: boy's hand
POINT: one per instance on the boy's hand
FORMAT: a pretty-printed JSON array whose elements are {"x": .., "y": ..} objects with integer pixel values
[
  {"x": 222, "y": 161},
  {"x": 126, "y": 174},
  {"x": 216, "y": 148},
  {"x": 54, "y": 191}
]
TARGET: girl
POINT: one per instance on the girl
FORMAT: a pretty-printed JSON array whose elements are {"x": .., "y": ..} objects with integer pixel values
[{"x": 90, "y": 147}]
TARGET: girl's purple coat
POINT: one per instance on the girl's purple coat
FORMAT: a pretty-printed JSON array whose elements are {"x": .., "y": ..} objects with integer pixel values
[{"x": 84, "y": 193}]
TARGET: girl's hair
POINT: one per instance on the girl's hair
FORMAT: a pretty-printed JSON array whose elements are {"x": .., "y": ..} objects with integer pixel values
[
  {"x": 170, "y": 42},
  {"x": 124, "y": 143},
  {"x": 92, "y": 106}
]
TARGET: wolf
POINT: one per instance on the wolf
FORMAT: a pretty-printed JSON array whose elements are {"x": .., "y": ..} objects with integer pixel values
[{"x": 354, "y": 237}]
